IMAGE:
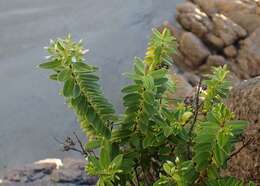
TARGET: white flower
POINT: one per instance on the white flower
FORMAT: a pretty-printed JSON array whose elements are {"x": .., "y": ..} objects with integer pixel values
[{"x": 85, "y": 51}]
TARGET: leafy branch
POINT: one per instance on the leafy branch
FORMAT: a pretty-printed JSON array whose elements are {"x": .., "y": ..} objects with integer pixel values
[{"x": 152, "y": 142}]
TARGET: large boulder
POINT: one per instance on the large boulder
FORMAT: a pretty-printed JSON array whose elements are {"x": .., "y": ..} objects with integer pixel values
[
  {"x": 247, "y": 16},
  {"x": 193, "y": 19},
  {"x": 244, "y": 101},
  {"x": 249, "y": 54},
  {"x": 193, "y": 49},
  {"x": 226, "y": 29}
]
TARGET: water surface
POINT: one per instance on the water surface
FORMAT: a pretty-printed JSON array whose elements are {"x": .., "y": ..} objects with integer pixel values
[{"x": 31, "y": 111}]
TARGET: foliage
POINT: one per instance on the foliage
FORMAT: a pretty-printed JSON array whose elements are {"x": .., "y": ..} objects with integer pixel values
[{"x": 153, "y": 142}]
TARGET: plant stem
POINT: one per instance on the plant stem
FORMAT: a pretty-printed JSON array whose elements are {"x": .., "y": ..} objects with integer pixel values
[
  {"x": 245, "y": 144},
  {"x": 196, "y": 111},
  {"x": 136, "y": 175},
  {"x": 81, "y": 145}
]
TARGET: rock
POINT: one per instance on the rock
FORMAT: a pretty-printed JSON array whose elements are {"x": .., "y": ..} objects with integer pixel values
[
  {"x": 248, "y": 21},
  {"x": 192, "y": 79},
  {"x": 183, "y": 87},
  {"x": 176, "y": 32},
  {"x": 70, "y": 163},
  {"x": 214, "y": 40},
  {"x": 193, "y": 19},
  {"x": 235, "y": 68},
  {"x": 29, "y": 173},
  {"x": 227, "y": 6},
  {"x": 216, "y": 60},
  {"x": 50, "y": 172},
  {"x": 226, "y": 29},
  {"x": 247, "y": 16},
  {"x": 244, "y": 101},
  {"x": 249, "y": 54},
  {"x": 209, "y": 6},
  {"x": 56, "y": 162},
  {"x": 193, "y": 49},
  {"x": 230, "y": 51},
  {"x": 72, "y": 176},
  {"x": 212, "y": 61},
  {"x": 257, "y": 11}
]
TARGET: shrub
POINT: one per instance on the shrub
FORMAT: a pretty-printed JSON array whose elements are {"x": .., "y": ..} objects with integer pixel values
[{"x": 154, "y": 142}]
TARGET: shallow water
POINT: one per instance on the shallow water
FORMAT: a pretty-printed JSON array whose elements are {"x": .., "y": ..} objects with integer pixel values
[{"x": 31, "y": 111}]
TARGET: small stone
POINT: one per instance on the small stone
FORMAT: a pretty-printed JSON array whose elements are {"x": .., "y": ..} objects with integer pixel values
[{"x": 230, "y": 51}]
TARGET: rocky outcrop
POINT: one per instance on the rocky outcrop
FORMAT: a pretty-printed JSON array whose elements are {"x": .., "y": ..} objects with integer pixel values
[
  {"x": 50, "y": 172},
  {"x": 218, "y": 32},
  {"x": 249, "y": 54},
  {"x": 225, "y": 32},
  {"x": 244, "y": 101}
]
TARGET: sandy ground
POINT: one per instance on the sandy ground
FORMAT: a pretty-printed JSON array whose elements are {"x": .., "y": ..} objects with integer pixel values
[{"x": 31, "y": 111}]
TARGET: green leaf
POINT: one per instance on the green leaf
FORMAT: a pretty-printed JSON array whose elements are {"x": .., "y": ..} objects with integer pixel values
[
  {"x": 148, "y": 141},
  {"x": 64, "y": 75},
  {"x": 117, "y": 161},
  {"x": 148, "y": 109},
  {"x": 93, "y": 144},
  {"x": 83, "y": 67},
  {"x": 53, "y": 77},
  {"x": 105, "y": 155},
  {"x": 88, "y": 77},
  {"x": 251, "y": 183},
  {"x": 211, "y": 117},
  {"x": 213, "y": 172},
  {"x": 219, "y": 155},
  {"x": 148, "y": 82},
  {"x": 50, "y": 65},
  {"x": 157, "y": 74},
  {"x": 167, "y": 131},
  {"x": 131, "y": 89},
  {"x": 139, "y": 66},
  {"x": 238, "y": 126},
  {"x": 149, "y": 97},
  {"x": 186, "y": 116},
  {"x": 159, "y": 82},
  {"x": 133, "y": 97},
  {"x": 68, "y": 88},
  {"x": 76, "y": 91},
  {"x": 168, "y": 168}
]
